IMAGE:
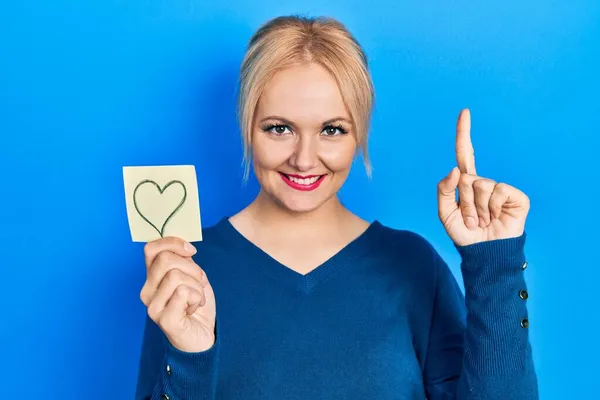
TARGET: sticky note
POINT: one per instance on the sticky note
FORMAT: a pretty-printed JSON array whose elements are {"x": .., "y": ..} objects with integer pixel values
[{"x": 162, "y": 201}]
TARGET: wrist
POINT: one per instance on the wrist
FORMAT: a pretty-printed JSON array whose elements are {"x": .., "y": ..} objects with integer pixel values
[{"x": 493, "y": 253}]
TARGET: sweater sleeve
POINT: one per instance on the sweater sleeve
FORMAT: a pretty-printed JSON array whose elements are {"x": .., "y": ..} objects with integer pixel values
[
  {"x": 482, "y": 351},
  {"x": 167, "y": 373}
]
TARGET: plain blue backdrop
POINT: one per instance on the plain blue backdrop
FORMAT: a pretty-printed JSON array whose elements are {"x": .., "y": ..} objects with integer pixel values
[{"x": 87, "y": 87}]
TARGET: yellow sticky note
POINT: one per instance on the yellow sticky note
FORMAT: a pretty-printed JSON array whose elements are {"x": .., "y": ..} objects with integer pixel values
[{"x": 162, "y": 201}]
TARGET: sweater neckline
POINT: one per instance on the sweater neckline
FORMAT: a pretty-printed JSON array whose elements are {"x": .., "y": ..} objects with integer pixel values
[{"x": 306, "y": 283}]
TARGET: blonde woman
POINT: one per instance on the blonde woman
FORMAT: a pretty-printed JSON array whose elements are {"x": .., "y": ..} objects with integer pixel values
[{"x": 296, "y": 297}]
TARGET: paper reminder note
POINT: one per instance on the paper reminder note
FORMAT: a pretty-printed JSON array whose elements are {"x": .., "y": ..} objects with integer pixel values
[{"x": 162, "y": 201}]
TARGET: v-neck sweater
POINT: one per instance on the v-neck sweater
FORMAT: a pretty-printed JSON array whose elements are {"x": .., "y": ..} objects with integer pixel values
[{"x": 384, "y": 318}]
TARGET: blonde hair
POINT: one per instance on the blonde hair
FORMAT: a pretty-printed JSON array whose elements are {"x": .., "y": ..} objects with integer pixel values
[{"x": 288, "y": 40}]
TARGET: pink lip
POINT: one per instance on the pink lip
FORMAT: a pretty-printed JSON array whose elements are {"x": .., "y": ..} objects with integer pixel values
[
  {"x": 302, "y": 176},
  {"x": 304, "y": 188}
]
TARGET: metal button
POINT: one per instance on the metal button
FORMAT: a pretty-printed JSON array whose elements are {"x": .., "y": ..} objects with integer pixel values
[
  {"x": 165, "y": 397},
  {"x": 525, "y": 323},
  {"x": 523, "y": 294},
  {"x": 168, "y": 369},
  {"x": 524, "y": 265}
]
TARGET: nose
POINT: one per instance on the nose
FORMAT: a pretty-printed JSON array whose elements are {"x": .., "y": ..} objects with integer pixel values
[{"x": 305, "y": 156}]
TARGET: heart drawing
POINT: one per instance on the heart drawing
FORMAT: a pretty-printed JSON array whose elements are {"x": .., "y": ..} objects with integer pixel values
[{"x": 161, "y": 191}]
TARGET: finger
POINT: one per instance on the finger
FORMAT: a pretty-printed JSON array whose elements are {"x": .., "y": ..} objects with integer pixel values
[
  {"x": 506, "y": 198},
  {"x": 447, "y": 194},
  {"x": 185, "y": 301},
  {"x": 169, "y": 243},
  {"x": 465, "y": 154},
  {"x": 483, "y": 189},
  {"x": 466, "y": 202},
  {"x": 167, "y": 287},
  {"x": 497, "y": 200},
  {"x": 163, "y": 263}
]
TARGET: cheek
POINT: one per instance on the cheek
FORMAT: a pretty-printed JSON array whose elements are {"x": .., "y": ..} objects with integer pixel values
[
  {"x": 268, "y": 154},
  {"x": 338, "y": 156}
]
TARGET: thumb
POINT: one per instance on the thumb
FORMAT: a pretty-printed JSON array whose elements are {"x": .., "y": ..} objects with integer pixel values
[{"x": 447, "y": 194}]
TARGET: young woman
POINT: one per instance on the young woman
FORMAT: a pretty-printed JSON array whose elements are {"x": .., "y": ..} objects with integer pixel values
[{"x": 296, "y": 297}]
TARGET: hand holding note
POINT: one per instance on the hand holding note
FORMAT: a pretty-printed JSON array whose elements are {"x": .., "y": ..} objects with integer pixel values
[
  {"x": 179, "y": 298},
  {"x": 163, "y": 209}
]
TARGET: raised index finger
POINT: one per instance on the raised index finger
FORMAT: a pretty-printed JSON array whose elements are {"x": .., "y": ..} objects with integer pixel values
[{"x": 465, "y": 154}]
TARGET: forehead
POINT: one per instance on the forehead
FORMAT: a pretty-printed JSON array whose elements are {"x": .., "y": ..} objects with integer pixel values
[{"x": 303, "y": 93}]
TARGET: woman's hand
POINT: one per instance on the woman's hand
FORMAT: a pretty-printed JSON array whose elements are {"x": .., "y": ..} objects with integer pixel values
[
  {"x": 178, "y": 295},
  {"x": 486, "y": 210}
]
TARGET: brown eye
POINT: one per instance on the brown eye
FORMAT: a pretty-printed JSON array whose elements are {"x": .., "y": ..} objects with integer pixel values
[
  {"x": 277, "y": 130},
  {"x": 331, "y": 130}
]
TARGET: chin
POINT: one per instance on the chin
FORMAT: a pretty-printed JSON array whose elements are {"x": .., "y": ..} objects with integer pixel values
[{"x": 298, "y": 205}]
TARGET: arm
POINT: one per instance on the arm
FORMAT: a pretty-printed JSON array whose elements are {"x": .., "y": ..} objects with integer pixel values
[
  {"x": 166, "y": 370},
  {"x": 483, "y": 351}
]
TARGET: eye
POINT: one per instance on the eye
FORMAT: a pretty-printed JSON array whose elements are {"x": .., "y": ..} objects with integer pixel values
[
  {"x": 331, "y": 130},
  {"x": 277, "y": 129}
]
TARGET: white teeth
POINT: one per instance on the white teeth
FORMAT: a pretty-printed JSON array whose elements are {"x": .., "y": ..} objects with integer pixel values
[{"x": 305, "y": 181}]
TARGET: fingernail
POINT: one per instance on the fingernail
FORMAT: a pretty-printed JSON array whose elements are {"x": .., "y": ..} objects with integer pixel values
[{"x": 189, "y": 248}]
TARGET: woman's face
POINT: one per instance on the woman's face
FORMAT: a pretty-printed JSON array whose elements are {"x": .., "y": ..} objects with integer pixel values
[{"x": 303, "y": 140}]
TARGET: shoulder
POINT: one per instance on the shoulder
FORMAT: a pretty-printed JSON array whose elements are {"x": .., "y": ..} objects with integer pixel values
[
  {"x": 405, "y": 244},
  {"x": 215, "y": 243},
  {"x": 212, "y": 235},
  {"x": 407, "y": 255},
  {"x": 415, "y": 258}
]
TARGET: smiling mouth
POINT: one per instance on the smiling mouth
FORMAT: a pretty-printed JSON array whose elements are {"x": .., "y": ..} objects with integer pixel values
[{"x": 306, "y": 183}]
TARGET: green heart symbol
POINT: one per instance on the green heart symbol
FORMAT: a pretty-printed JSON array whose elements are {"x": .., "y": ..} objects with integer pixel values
[{"x": 161, "y": 191}]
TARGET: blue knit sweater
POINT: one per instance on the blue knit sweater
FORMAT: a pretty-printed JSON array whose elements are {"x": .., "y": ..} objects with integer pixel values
[{"x": 383, "y": 319}]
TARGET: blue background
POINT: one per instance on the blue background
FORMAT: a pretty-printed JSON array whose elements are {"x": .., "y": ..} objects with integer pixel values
[{"x": 87, "y": 87}]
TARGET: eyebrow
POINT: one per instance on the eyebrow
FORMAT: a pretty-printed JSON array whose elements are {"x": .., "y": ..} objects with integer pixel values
[{"x": 288, "y": 122}]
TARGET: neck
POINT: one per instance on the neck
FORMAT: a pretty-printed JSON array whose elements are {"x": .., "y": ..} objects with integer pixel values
[{"x": 265, "y": 211}]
